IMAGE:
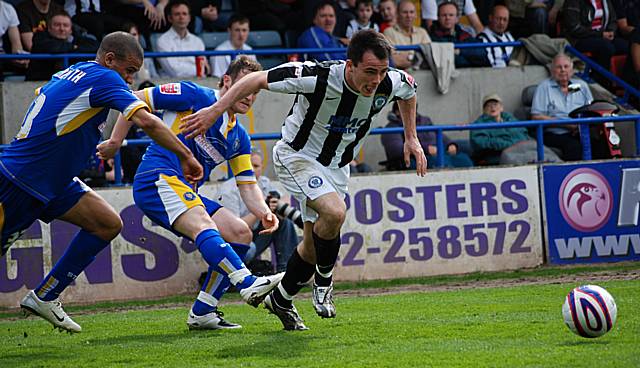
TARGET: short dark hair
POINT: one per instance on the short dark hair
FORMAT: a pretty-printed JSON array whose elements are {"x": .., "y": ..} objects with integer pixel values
[
  {"x": 321, "y": 5},
  {"x": 174, "y": 3},
  {"x": 240, "y": 63},
  {"x": 122, "y": 44},
  {"x": 448, "y": 2},
  {"x": 368, "y": 40},
  {"x": 58, "y": 13},
  {"x": 238, "y": 18},
  {"x": 365, "y": 2}
]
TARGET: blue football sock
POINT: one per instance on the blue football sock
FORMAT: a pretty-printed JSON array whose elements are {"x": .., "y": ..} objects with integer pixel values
[
  {"x": 215, "y": 285},
  {"x": 81, "y": 252},
  {"x": 221, "y": 256}
]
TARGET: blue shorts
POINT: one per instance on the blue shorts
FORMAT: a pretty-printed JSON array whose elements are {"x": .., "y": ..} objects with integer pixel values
[
  {"x": 19, "y": 209},
  {"x": 163, "y": 197}
]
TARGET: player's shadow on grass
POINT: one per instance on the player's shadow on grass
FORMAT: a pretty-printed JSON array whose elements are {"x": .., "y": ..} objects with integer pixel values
[{"x": 276, "y": 343}]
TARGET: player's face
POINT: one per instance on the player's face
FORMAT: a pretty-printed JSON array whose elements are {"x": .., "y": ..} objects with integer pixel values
[
  {"x": 127, "y": 68},
  {"x": 243, "y": 106},
  {"x": 367, "y": 75},
  {"x": 448, "y": 17}
]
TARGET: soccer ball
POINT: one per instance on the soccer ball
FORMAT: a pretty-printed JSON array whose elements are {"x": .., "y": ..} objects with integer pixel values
[{"x": 589, "y": 311}]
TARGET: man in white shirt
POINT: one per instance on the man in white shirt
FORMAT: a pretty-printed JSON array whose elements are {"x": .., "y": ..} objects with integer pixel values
[
  {"x": 178, "y": 38},
  {"x": 238, "y": 34},
  {"x": 465, "y": 7},
  {"x": 496, "y": 31}
]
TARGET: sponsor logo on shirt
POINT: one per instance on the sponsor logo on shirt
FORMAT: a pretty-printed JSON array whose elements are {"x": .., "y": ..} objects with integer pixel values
[{"x": 170, "y": 89}]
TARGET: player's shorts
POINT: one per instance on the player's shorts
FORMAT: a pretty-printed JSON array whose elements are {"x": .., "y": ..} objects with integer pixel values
[
  {"x": 163, "y": 197},
  {"x": 19, "y": 209},
  {"x": 305, "y": 178}
]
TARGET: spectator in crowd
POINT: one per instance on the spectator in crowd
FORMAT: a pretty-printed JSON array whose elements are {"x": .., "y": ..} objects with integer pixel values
[
  {"x": 393, "y": 145},
  {"x": 88, "y": 15},
  {"x": 529, "y": 17},
  {"x": 593, "y": 29},
  {"x": 261, "y": 14},
  {"x": 488, "y": 144},
  {"x": 388, "y": 10},
  {"x": 9, "y": 27},
  {"x": 209, "y": 12},
  {"x": 238, "y": 34},
  {"x": 58, "y": 39},
  {"x": 447, "y": 29},
  {"x": 554, "y": 99},
  {"x": 178, "y": 38},
  {"x": 496, "y": 31},
  {"x": 628, "y": 22},
  {"x": 147, "y": 71},
  {"x": 284, "y": 239},
  {"x": 148, "y": 15},
  {"x": 464, "y": 7},
  {"x": 320, "y": 35},
  {"x": 33, "y": 16},
  {"x": 363, "y": 18},
  {"x": 406, "y": 33}
]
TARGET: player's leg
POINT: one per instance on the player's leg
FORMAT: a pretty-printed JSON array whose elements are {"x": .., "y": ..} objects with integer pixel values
[
  {"x": 204, "y": 313},
  {"x": 331, "y": 211},
  {"x": 99, "y": 224}
]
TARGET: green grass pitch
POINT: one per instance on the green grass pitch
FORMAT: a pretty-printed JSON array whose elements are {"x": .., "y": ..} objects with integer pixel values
[{"x": 518, "y": 326}]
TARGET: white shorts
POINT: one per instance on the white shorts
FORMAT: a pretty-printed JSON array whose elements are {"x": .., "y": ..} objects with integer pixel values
[{"x": 305, "y": 178}]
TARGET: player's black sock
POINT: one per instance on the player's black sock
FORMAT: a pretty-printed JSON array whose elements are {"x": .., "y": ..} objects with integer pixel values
[
  {"x": 326, "y": 256},
  {"x": 297, "y": 275}
]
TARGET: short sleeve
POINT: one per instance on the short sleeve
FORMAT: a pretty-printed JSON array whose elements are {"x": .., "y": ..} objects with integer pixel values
[
  {"x": 179, "y": 96},
  {"x": 10, "y": 15},
  {"x": 429, "y": 10},
  {"x": 469, "y": 8},
  {"x": 540, "y": 101},
  {"x": 113, "y": 92},
  {"x": 295, "y": 77},
  {"x": 404, "y": 86},
  {"x": 241, "y": 164}
]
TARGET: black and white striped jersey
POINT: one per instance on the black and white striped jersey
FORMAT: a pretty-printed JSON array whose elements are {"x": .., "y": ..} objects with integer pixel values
[
  {"x": 498, "y": 56},
  {"x": 329, "y": 120}
]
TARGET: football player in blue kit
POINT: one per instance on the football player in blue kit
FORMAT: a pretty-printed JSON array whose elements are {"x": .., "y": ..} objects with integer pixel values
[
  {"x": 59, "y": 132},
  {"x": 163, "y": 193}
]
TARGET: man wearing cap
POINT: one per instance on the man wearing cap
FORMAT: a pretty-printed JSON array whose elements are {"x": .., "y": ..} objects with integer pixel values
[{"x": 488, "y": 144}]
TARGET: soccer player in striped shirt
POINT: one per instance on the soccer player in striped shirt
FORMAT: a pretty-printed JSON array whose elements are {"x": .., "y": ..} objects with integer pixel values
[{"x": 333, "y": 112}]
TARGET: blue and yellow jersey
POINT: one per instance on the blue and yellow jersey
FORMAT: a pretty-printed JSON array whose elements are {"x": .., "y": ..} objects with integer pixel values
[
  {"x": 62, "y": 128},
  {"x": 226, "y": 140}
]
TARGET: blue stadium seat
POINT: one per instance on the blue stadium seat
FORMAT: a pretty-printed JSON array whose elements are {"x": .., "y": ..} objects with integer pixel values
[
  {"x": 263, "y": 40},
  {"x": 154, "y": 40},
  {"x": 213, "y": 39}
]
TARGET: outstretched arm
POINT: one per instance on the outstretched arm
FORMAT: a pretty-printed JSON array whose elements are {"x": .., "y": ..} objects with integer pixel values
[
  {"x": 254, "y": 200},
  {"x": 199, "y": 122},
  {"x": 412, "y": 145}
]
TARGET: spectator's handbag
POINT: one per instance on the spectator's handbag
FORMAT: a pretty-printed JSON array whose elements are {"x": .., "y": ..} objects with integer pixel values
[{"x": 605, "y": 142}]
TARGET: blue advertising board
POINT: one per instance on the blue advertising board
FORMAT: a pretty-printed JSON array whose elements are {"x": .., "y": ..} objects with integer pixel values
[{"x": 592, "y": 211}]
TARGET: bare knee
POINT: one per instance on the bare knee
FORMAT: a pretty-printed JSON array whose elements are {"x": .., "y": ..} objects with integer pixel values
[
  {"x": 108, "y": 227},
  {"x": 329, "y": 222},
  {"x": 241, "y": 233}
]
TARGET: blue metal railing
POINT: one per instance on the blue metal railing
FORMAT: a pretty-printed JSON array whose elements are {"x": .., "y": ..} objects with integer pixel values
[{"x": 440, "y": 129}]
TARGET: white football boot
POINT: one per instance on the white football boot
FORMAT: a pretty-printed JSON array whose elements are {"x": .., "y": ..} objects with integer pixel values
[
  {"x": 51, "y": 311},
  {"x": 210, "y": 321},
  {"x": 255, "y": 294}
]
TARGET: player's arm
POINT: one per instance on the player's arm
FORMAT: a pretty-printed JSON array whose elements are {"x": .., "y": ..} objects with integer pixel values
[
  {"x": 109, "y": 148},
  {"x": 412, "y": 145},
  {"x": 199, "y": 122},
  {"x": 160, "y": 133},
  {"x": 254, "y": 200}
]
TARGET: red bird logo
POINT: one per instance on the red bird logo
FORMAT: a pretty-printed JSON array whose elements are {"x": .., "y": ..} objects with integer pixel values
[{"x": 586, "y": 192}]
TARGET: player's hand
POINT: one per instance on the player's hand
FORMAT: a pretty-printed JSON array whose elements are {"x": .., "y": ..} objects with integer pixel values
[
  {"x": 413, "y": 148},
  {"x": 269, "y": 223},
  {"x": 191, "y": 169},
  {"x": 107, "y": 149},
  {"x": 199, "y": 122}
]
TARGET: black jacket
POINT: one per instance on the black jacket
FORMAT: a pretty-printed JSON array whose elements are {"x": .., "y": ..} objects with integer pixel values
[
  {"x": 44, "y": 43},
  {"x": 577, "y": 16}
]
